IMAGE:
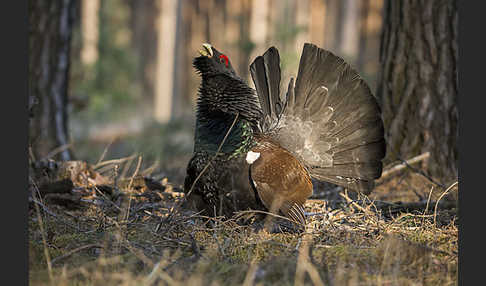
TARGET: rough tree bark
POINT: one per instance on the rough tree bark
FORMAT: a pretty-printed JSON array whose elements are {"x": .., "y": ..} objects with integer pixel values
[
  {"x": 50, "y": 30},
  {"x": 418, "y": 83}
]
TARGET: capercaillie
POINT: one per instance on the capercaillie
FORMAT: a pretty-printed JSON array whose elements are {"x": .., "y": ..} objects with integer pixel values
[{"x": 259, "y": 149}]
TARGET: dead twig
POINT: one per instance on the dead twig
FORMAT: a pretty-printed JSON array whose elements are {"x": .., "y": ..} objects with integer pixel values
[
  {"x": 204, "y": 169},
  {"x": 442, "y": 195},
  {"x": 130, "y": 185},
  {"x": 354, "y": 204},
  {"x": 215, "y": 155},
  {"x": 57, "y": 150},
  {"x": 88, "y": 246},
  {"x": 404, "y": 164},
  {"x": 111, "y": 162},
  {"x": 150, "y": 169},
  {"x": 105, "y": 151},
  {"x": 43, "y": 234},
  {"x": 420, "y": 172},
  {"x": 427, "y": 205},
  {"x": 126, "y": 167}
]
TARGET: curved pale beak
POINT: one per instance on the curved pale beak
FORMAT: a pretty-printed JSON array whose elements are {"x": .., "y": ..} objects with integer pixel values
[{"x": 206, "y": 51}]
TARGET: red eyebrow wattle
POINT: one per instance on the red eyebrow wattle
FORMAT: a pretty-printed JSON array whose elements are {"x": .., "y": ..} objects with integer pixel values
[{"x": 225, "y": 58}]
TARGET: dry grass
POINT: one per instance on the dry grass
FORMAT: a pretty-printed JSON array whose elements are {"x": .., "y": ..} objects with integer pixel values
[{"x": 143, "y": 239}]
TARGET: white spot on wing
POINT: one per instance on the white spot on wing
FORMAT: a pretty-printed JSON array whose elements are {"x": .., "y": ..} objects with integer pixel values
[{"x": 252, "y": 157}]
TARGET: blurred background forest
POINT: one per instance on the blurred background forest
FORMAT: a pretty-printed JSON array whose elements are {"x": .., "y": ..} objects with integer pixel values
[{"x": 125, "y": 83}]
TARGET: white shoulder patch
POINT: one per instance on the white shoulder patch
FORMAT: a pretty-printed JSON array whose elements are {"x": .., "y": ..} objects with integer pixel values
[{"x": 252, "y": 157}]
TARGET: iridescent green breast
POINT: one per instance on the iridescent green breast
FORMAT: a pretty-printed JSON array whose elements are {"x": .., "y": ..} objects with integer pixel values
[{"x": 238, "y": 142}]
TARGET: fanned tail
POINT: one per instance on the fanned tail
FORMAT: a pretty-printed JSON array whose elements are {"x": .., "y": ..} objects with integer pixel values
[
  {"x": 331, "y": 120},
  {"x": 265, "y": 72}
]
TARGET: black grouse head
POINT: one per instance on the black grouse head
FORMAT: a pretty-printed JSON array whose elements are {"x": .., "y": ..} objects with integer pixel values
[{"x": 212, "y": 62}]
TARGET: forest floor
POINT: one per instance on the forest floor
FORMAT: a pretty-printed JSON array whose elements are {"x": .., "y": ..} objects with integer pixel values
[{"x": 404, "y": 233}]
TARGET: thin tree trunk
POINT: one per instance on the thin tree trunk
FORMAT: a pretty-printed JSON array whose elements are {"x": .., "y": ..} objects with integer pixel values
[
  {"x": 166, "y": 57},
  {"x": 340, "y": 10},
  {"x": 232, "y": 31},
  {"x": 245, "y": 44},
  {"x": 215, "y": 10},
  {"x": 179, "y": 99},
  {"x": 418, "y": 84},
  {"x": 350, "y": 28},
  {"x": 90, "y": 31},
  {"x": 50, "y": 25},
  {"x": 363, "y": 36},
  {"x": 187, "y": 50},
  {"x": 302, "y": 21},
  {"x": 318, "y": 16},
  {"x": 331, "y": 21},
  {"x": 144, "y": 40},
  {"x": 258, "y": 26},
  {"x": 196, "y": 39}
]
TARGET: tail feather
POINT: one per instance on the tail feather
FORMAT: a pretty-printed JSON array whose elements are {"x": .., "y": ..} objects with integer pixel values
[
  {"x": 330, "y": 120},
  {"x": 294, "y": 211},
  {"x": 364, "y": 130},
  {"x": 358, "y": 154},
  {"x": 363, "y": 186},
  {"x": 362, "y": 171},
  {"x": 265, "y": 72},
  {"x": 290, "y": 95}
]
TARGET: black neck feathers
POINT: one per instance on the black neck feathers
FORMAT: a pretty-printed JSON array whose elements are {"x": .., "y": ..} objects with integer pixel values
[{"x": 223, "y": 94}]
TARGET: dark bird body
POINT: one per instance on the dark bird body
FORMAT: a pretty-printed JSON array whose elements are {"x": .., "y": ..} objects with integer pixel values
[{"x": 258, "y": 149}]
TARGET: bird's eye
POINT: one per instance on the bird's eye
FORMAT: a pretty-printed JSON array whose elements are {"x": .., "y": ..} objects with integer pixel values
[{"x": 224, "y": 58}]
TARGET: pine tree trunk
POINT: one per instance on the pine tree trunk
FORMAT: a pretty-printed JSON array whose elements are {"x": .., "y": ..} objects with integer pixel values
[
  {"x": 350, "y": 29},
  {"x": 330, "y": 24},
  {"x": 418, "y": 83},
  {"x": 258, "y": 27},
  {"x": 89, "y": 31},
  {"x": 144, "y": 40},
  {"x": 232, "y": 32},
  {"x": 50, "y": 24},
  {"x": 166, "y": 57},
  {"x": 245, "y": 42},
  {"x": 302, "y": 21},
  {"x": 363, "y": 35},
  {"x": 318, "y": 15}
]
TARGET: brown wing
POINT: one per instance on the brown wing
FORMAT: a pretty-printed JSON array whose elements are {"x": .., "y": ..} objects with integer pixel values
[{"x": 281, "y": 181}]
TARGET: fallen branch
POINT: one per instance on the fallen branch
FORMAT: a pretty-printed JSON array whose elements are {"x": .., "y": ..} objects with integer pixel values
[
  {"x": 349, "y": 200},
  {"x": 405, "y": 164}
]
